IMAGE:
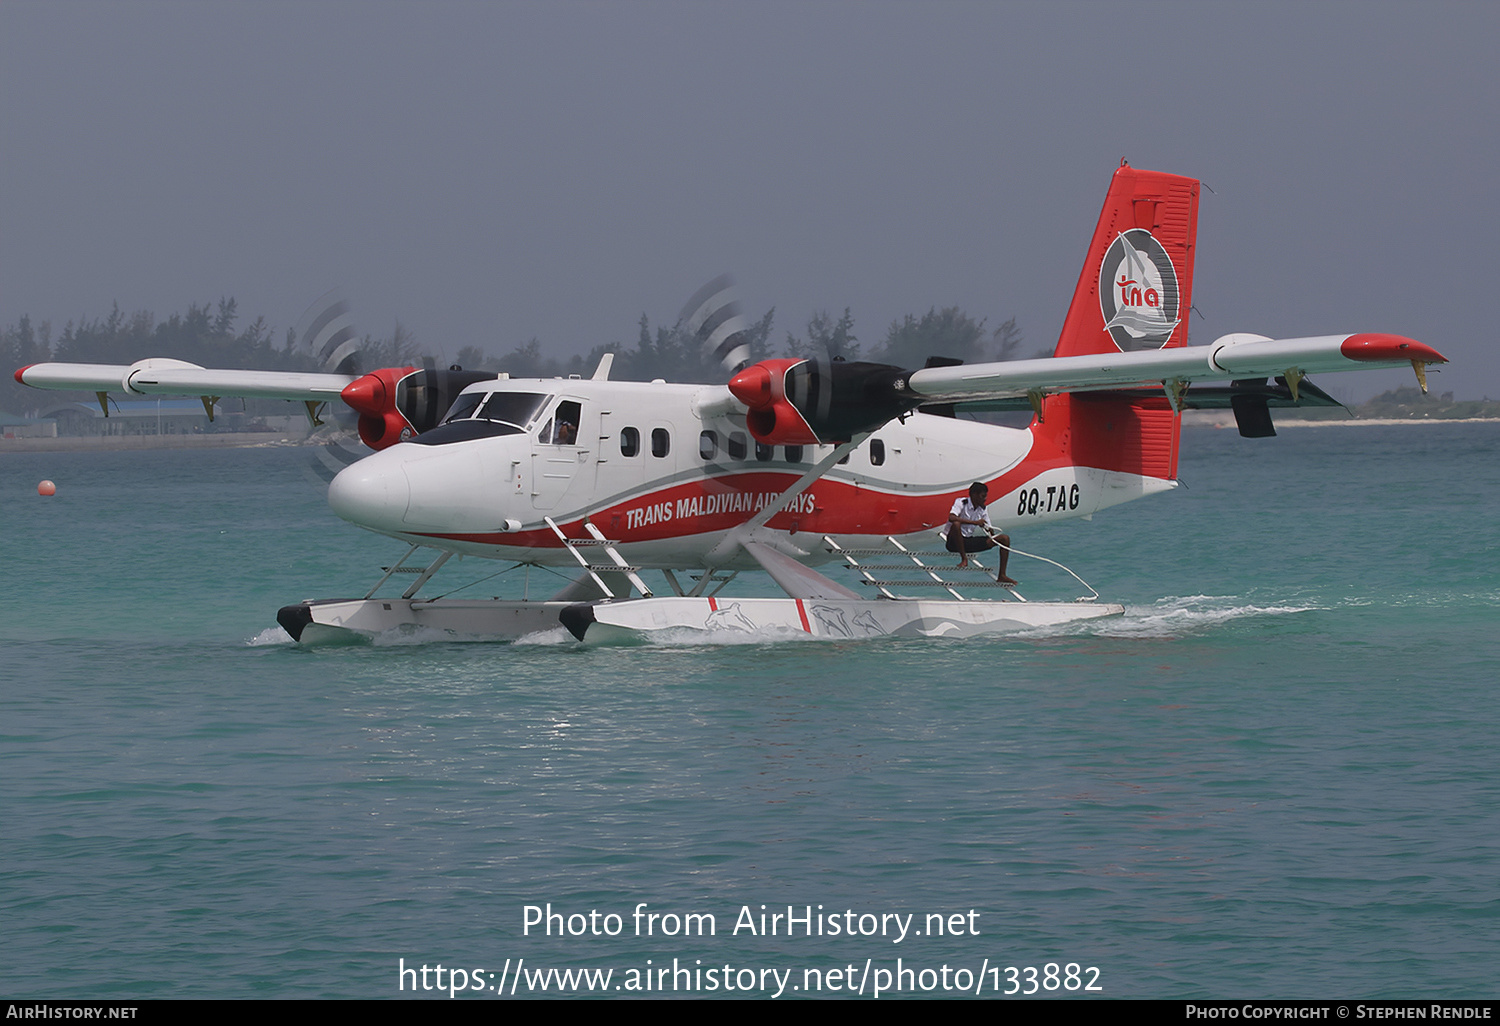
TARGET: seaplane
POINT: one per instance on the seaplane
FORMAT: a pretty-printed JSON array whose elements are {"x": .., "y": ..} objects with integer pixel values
[{"x": 791, "y": 465}]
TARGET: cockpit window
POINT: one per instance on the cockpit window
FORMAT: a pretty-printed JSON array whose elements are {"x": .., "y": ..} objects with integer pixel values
[
  {"x": 480, "y": 415},
  {"x": 511, "y": 407},
  {"x": 516, "y": 408},
  {"x": 563, "y": 428},
  {"x": 464, "y": 431},
  {"x": 569, "y": 415},
  {"x": 463, "y": 407}
]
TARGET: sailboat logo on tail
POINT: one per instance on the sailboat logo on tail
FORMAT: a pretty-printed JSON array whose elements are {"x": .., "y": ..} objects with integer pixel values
[{"x": 1138, "y": 291}]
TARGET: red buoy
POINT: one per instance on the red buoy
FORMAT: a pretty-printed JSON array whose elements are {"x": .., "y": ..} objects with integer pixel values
[{"x": 46, "y": 488}]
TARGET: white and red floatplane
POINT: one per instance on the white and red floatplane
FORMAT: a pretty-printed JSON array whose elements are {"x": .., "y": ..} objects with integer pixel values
[{"x": 793, "y": 464}]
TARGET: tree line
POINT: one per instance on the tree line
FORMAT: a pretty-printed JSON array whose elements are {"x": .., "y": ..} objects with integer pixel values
[
  {"x": 672, "y": 353},
  {"x": 209, "y": 335}
]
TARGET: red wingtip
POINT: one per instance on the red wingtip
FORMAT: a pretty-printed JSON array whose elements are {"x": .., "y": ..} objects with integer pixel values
[
  {"x": 1377, "y": 347},
  {"x": 23, "y": 370}
]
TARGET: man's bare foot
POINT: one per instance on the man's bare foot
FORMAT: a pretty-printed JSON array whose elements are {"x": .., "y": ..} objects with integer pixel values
[
  {"x": 963, "y": 563},
  {"x": 1009, "y": 582}
]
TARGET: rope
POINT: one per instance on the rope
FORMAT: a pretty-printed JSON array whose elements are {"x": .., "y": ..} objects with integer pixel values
[{"x": 991, "y": 533}]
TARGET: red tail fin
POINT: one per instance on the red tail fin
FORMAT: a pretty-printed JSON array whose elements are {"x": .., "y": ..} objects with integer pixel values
[
  {"x": 1134, "y": 294},
  {"x": 1137, "y": 282}
]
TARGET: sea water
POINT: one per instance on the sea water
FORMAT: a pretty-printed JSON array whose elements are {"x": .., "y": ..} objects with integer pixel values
[{"x": 1276, "y": 776}]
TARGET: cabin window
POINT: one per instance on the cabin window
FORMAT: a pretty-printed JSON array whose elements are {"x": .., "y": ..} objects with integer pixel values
[
  {"x": 737, "y": 445},
  {"x": 708, "y": 444},
  {"x": 661, "y": 442},
  {"x": 877, "y": 452},
  {"x": 630, "y": 442},
  {"x": 794, "y": 454},
  {"x": 764, "y": 453}
]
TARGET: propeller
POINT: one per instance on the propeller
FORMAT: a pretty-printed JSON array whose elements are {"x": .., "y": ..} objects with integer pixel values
[
  {"x": 424, "y": 397},
  {"x": 397, "y": 403},
  {"x": 811, "y": 402},
  {"x": 326, "y": 332},
  {"x": 714, "y": 317},
  {"x": 793, "y": 401},
  {"x": 381, "y": 407}
]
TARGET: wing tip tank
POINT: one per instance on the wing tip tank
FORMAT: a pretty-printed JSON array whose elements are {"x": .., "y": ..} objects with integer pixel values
[{"x": 1379, "y": 347}]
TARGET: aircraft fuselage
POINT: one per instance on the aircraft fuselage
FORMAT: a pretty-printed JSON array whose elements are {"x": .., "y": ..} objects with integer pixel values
[{"x": 672, "y": 474}]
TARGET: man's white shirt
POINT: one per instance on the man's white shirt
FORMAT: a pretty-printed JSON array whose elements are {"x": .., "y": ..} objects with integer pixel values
[{"x": 966, "y": 510}]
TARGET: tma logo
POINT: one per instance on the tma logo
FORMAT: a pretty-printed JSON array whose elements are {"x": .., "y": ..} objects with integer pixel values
[{"x": 1138, "y": 292}]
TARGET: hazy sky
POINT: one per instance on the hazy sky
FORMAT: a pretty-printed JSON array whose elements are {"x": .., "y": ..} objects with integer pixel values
[{"x": 489, "y": 172}]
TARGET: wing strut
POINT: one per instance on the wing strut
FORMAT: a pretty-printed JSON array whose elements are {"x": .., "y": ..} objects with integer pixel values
[
  {"x": 751, "y": 529},
  {"x": 424, "y": 572},
  {"x": 802, "y": 483},
  {"x": 797, "y": 580}
]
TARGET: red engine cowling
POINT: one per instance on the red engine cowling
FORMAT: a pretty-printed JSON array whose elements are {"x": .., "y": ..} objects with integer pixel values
[
  {"x": 395, "y": 403},
  {"x": 373, "y": 397},
  {"x": 772, "y": 418},
  {"x": 808, "y": 402}
]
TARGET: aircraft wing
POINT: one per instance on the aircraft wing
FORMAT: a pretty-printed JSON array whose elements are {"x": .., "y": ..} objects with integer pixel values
[
  {"x": 178, "y": 377},
  {"x": 1233, "y": 357},
  {"x": 802, "y": 401},
  {"x": 393, "y": 402}
]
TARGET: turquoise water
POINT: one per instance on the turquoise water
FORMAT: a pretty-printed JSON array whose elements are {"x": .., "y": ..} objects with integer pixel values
[{"x": 1276, "y": 776}]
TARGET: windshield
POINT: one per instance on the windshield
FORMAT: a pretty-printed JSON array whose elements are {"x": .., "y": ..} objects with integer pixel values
[
  {"x": 463, "y": 407},
  {"x": 511, "y": 407},
  {"x": 505, "y": 407}
]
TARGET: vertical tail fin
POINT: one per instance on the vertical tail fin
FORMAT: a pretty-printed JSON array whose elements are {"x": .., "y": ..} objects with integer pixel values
[
  {"x": 1134, "y": 294},
  {"x": 1137, "y": 282}
]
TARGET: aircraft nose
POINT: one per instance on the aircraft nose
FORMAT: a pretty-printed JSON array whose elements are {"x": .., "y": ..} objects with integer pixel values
[{"x": 372, "y": 493}]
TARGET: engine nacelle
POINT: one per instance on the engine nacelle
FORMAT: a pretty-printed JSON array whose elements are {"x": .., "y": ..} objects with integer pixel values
[
  {"x": 808, "y": 402},
  {"x": 395, "y": 403},
  {"x": 373, "y": 397}
]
